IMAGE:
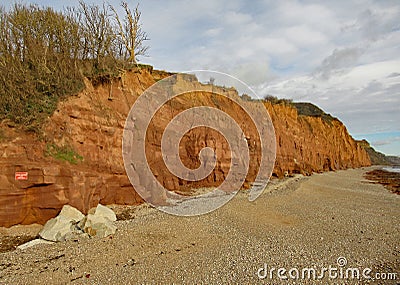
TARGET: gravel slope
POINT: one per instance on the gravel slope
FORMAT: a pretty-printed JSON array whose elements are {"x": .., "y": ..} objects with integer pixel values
[{"x": 301, "y": 222}]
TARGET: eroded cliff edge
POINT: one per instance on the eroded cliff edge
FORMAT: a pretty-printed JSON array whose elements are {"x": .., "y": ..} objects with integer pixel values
[
  {"x": 91, "y": 124},
  {"x": 312, "y": 143}
]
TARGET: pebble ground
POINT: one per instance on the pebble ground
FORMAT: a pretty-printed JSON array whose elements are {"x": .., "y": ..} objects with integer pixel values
[{"x": 301, "y": 222}]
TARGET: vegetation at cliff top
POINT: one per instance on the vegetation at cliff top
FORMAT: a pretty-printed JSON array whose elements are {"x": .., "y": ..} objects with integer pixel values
[
  {"x": 303, "y": 108},
  {"x": 378, "y": 158},
  {"x": 275, "y": 100},
  {"x": 45, "y": 54},
  {"x": 309, "y": 109}
]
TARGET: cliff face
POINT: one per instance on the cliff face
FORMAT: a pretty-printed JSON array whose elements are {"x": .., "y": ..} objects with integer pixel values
[
  {"x": 378, "y": 158},
  {"x": 307, "y": 144},
  {"x": 92, "y": 125}
]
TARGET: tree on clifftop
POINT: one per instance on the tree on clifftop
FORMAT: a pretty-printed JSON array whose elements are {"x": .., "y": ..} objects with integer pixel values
[
  {"x": 130, "y": 32},
  {"x": 97, "y": 32},
  {"x": 45, "y": 55}
]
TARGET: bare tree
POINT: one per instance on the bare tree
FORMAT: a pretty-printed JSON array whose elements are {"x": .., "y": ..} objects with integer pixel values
[
  {"x": 130, "y": 32},
  {"x": 98, "y": 33},
  {"x": 37, "y": 62},
  {"x": 45, "y": 54}
]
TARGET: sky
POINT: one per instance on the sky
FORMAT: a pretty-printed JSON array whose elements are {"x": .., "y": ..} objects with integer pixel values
[{"x": 343, "y": 56}]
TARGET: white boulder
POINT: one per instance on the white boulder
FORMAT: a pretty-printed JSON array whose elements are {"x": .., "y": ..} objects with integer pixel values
[
  {"x": 99, "y": 222},
  {"x": 71, "y": 223},
  {"x": 103, "y": 211},
  {"x": 99, "y": 226},
  {"x": 71, "y": 213},
  {"x": 64, "y": 226}
]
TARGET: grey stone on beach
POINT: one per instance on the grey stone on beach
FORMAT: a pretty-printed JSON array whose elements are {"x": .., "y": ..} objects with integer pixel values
[
  {"x": 71, "y": 213},
  {"x": 59, "y": 228},
  {"x": 100, "y": 226}
]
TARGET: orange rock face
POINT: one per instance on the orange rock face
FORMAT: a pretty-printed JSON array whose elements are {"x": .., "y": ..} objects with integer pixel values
[
  {"x": 92, "y": 124},
  {"x": 307, "y": 144}
]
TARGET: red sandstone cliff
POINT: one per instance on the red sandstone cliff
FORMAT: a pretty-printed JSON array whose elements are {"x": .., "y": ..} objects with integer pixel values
[
  {"x": 307, "y": 144},
  {"x": 92, "y": 124}
]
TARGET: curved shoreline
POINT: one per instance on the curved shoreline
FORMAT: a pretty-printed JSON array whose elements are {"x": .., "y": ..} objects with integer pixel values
[{"x": 389, "y": 179}]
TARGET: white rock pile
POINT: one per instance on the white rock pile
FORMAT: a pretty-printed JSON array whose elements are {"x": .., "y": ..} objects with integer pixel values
[
  {"x": 98, "y": 222},
  {"x": 64, "y": 226},
  {"x": 71, "y": 223}
]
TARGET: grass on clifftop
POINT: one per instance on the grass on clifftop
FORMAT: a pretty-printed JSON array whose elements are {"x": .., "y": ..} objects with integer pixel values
[
  {"x": 303, "y": 108},
  {"x": 275, "y": 100},
  {"x": 308, "y": 109}
]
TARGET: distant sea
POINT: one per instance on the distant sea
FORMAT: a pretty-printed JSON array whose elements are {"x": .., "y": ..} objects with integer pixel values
[{"x": 392, "y": 169}]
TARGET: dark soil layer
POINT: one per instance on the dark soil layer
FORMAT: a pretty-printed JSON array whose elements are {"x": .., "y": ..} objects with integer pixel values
[
  {"x": 391, "y": 180},
  {"x": 8, "y": 243}
]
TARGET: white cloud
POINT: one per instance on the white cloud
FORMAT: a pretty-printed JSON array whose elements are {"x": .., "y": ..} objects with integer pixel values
[
  {"x": 339, "y": 59},
  {"x": 366, "y": 97},
  {"x": 305, "y": 36},
  {"x": 253, "y": 73},
  {"x": 386, "y": 142},
  {"x": 213, "y": 32},
  {"x": 375, "y": 23},
  {"x": 293, "y": 13},
  {"x": 235, "y": 19}
]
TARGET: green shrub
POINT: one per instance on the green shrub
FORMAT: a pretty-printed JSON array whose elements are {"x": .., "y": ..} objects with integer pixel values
[
  {"x": 38, "y": 63},
  {"x": 64, "y": 153},
  {"x": 276, "y": 100},
  {"x": 309, "y": 109},
  {"x": 45, "y": 54}
]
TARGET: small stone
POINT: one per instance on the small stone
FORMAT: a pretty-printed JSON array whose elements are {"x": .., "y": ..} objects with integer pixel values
[{"x": 131, "y": 262}]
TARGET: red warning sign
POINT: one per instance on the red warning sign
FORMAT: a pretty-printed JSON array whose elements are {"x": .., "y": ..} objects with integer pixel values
[{"x": 23, "y": 175}]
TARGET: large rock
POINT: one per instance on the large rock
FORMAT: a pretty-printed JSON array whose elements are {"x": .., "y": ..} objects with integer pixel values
[
  {"x": 71, "y": 223},
  {"x": 103, "y": 211},
  {"x": 64, "y": 226},
  {"x": 58, "y": 229},
  {"x": 71, "y": 213},
  {"x": 99, "y": 226},
  {"x": 99, "y": 222}
]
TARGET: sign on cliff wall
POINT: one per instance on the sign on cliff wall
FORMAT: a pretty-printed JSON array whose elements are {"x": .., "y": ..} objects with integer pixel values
[{"x": 22, "y": 175}]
